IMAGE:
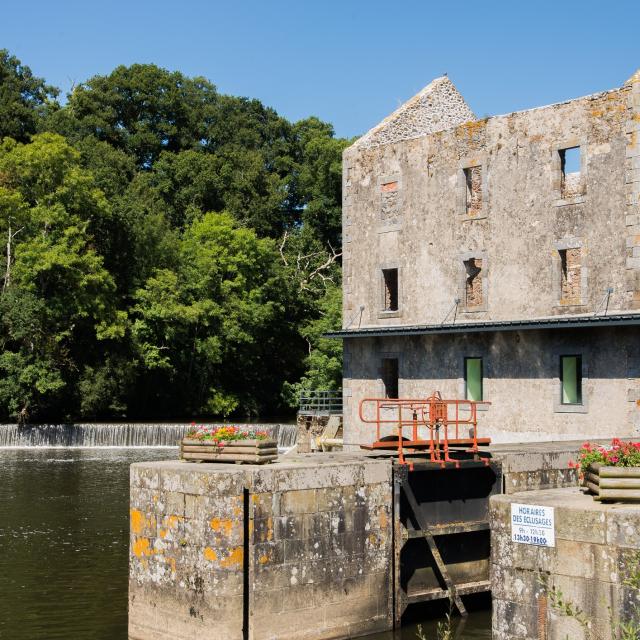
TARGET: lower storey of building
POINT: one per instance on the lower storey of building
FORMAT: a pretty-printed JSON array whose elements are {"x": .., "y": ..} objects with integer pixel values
[{"x": 558, "y": 384}]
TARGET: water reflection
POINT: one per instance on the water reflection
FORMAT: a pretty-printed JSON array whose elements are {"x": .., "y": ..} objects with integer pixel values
[{"x": 64, "y": 540}]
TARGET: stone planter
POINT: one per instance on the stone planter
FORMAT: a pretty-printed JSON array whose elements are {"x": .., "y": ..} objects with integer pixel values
[
  {"x": 620, "y": 484},
  {"x": 248, "y": 451}
]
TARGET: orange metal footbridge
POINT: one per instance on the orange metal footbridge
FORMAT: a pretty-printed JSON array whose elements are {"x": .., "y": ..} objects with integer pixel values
[{"x": 442, "y": 428}]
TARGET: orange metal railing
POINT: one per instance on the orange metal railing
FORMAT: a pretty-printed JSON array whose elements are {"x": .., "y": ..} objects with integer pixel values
[{"x": 443, "y": 419}]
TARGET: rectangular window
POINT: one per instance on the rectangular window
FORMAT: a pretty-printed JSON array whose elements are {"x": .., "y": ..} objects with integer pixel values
[
  {"x": 571, "y": 379},
  {"x": 390, "y": 289},
  {"x": 473, "y": 282},
  {"x": 570, "y": 276},
  {"x": 473, "y": 188},
  {"x": 570, "y": 167},
  {"x": 473, "y": 379},
  {"x": 390, "y": 377}
]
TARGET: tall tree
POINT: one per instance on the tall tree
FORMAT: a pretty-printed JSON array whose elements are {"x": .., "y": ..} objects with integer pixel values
[
  {"x": 142, "y": 110},
  {"x": 59, "y": 303},
  {"x": 215, "y": 332},
  {"x": 23, "y": 98}
]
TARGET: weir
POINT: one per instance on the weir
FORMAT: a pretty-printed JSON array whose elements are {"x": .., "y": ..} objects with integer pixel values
[{"x": 121, "y": 434}]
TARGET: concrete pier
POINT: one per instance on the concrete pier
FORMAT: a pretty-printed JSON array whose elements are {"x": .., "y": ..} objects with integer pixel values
[
  {"x": 596, "y": 548},
  {"x": 300, "y": 549}
]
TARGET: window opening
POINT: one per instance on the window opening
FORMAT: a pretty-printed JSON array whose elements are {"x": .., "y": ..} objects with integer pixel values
[
  {"x": 473, "y": 282},
  {"x": 473, "y": 379},
  {"x": 473, "y": 188},
  {"x": 570, "y": 167},
  {"x": 390, "y": 377},
  {"x": 571, "y": 379},
  {"x": 570, "y": 276},
  {"x": 390, "y": 284}
]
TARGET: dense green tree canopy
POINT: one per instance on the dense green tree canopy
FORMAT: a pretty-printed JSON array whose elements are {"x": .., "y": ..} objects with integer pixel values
[
  {"x": 171, "y": 251},
  {"x": 23, "y": 98}
]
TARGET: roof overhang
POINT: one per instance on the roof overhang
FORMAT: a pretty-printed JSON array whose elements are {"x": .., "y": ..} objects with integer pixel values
[{"x": 564, "y": 322}]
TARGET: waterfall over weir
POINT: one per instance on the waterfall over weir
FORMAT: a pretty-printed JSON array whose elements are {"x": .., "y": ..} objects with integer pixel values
[{"x": 121, "y": 434}]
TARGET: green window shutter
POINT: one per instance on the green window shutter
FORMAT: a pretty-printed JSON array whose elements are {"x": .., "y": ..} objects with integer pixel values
[
  {"x": 571, "y": 371},
  {"x": 473, "y": 378}
]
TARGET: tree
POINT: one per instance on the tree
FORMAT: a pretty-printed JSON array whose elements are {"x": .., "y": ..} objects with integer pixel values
[
  {"x": 206, "y": 332},
  {"x": 319, "y": 178},
  {"x": 142, "y": 110},
  {"x": 23, "y": 98},
  {"x": 170, "y": 250},
  {"x": 59, "y": 302}
]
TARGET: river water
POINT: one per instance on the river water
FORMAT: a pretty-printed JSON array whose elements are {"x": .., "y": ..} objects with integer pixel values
[{"x": 64, "y": 534}]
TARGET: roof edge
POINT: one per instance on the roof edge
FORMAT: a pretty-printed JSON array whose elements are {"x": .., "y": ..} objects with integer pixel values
[{"x": 563, "y": 322}]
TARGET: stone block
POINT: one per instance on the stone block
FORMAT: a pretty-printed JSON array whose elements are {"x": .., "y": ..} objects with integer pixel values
[
  {"x": 378, "y": 471},
  {"x": 299, "y": 501},
  {"x": 623, "y": 528}
]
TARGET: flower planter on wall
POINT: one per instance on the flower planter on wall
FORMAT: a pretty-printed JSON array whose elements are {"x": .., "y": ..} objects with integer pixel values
[
  {"x": 247, "y": 451},
  {"x": 620, "y": 484}
]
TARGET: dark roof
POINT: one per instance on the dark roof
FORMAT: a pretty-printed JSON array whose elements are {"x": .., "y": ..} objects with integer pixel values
[{"x": 564, "y": 322}]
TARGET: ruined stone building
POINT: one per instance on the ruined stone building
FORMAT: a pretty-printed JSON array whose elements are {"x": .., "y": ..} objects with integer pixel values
[{"x": 497, "y": 259}]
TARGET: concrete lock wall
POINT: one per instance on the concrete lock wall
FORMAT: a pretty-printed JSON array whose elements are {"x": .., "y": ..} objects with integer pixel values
[
  {"x": 596, "y": 548},
  {"x": 520, "y": 378},
  {"x": 291, "y": 550}
]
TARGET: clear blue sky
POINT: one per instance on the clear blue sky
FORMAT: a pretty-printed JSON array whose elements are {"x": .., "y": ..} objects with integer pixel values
[{"x": 351, "y": 62}]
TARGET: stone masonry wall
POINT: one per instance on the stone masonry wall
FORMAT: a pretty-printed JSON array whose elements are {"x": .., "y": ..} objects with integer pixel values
[
  {"x": 295, "y": 550},
  {"x": 520, "y": 379},
  {"x": 186, "y": 552},
  {"x": 596, "y": 547},
  {"x": 520, "y": 212},
  {"x": 438, "y": 106},
  {"x": 320, "y": 565}
]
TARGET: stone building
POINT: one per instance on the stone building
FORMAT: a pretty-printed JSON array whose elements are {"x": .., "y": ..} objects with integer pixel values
[{"x": 497, "y": 259}]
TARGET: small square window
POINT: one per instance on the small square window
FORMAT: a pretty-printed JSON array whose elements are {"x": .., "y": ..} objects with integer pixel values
[
  {"x": 473, "y": 379},
  {"x": 390, "y": 289},
  {"x": 571, "y": 380},
  {"x": 390, "y": 376}
]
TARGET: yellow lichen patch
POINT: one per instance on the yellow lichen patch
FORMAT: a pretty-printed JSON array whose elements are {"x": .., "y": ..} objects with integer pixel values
[
  {"x": 172, "y": 521},
  {"x": 172, "y": 563},
  {"x": 163, "y": 533},
  {"x": 269, "y": 529},
  {"x": 141, "y": 547},
  {"x": 472, "y": 127},
  {"x": 137, "y": 521},
  {"x": 210, "y": 554},
  {"x": 218, "y": 524},
  {"x": 233, "y": 559},
  {"x": 263, "y": 559}
]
